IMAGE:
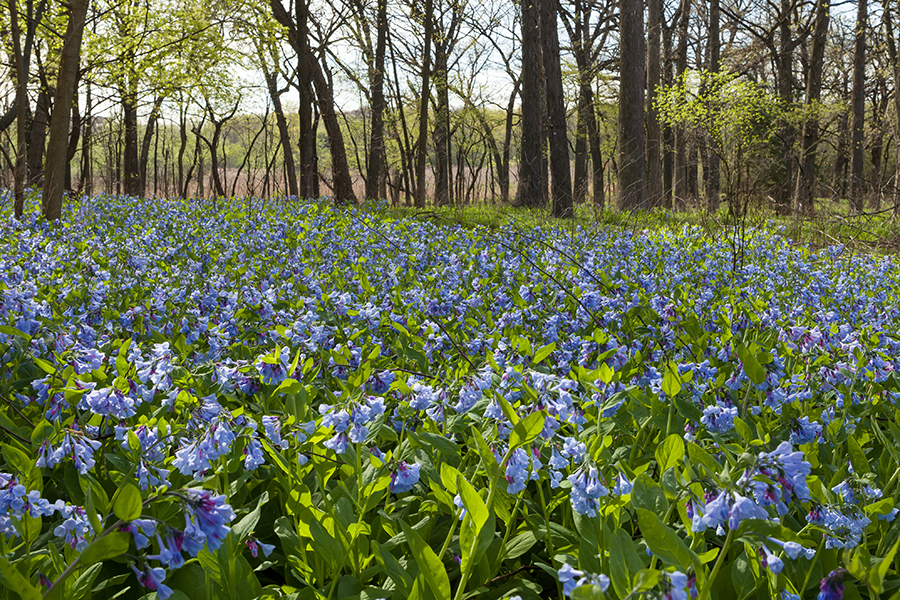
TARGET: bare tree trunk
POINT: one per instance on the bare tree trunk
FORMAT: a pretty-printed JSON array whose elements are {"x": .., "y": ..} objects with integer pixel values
[
  {"x": 654, "y": 131},
  {"x": 806, "y": 180},
  {"x": 895, "y": 67},
  {"x": 38, "y": 138},
  {"x": 283, "y": 132},
  {"x": 423, "y": 105},
  {"x": 711, "y": 165},
  {"x": 21, "y": 69},
  {"x": 681, "y": 149},
  {"x": 130, "y": 122},
  {"x": 632, "y": 151},
  {"x": 561, "y": 176},
  {"x": 441, "y": 133},
  {"x": 782, "y": 193},
  {"x": 343, "y": 183},
  {"x": 376, "y": 169},
  {"x": 531, "y": 191},
  {"x": 149, "y": 131},
  {"x": 57, "y": 151},
  {"x": 87, "y": 167},
  {"x": 858, "y": 104}
]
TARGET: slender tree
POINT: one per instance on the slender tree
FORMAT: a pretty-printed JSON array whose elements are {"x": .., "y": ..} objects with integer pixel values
[
  {"x": 532, "y": 191},
  {"x": 858, "y": 107},
  {"x": 57, "y": 151},
  {"x": 632, "y": 152},
  {"x": 561, "y": 178}
]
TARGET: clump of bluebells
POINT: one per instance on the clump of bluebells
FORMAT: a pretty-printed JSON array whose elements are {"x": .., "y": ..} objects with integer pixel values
[{"x": 290, "y": 396}]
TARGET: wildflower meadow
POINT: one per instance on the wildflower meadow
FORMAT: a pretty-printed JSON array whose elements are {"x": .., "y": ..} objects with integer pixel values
[{"x": 290, "y": 400}]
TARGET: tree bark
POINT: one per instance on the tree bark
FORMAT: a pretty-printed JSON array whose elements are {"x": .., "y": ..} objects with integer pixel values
[
  {"x": 131, "y": 167},
  {"x": 57, "y": 151},
  {"x": 858, "y": 104},
  {"x": 654, "y": 131},
  {"x": 376, "y": 169},
  {"x": 531, "y": 191},
  {"x": 632, "y": 152},
  {"x": 681, "y": 149},
  {"x": 281, "y": 121},
  {"x": 804, "y": 200},
  {"x": 87, "y": 167},
  {"x": 37, "y": 139},
  {"x": 145, "y": 143},
  {"x": 782, "y": 193},
  {"x": 21, "y": 70},
  {"x": 441, "y": 132},
  {"x": 712, "y": 183},
  {"x": 343, "y": 183},
  {"x": 561, "y": 176},
  {"x": 895, "y": 67}
]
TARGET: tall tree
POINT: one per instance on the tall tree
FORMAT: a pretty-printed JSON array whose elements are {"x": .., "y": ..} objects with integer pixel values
[
  {"x": 711, "y": 165},
  {"x": 681, "y": 146},
  {"x": 532, "y": 191},
  {"x": 632, "y": 152},
  {"x": 57, "y": 150},
  {"x": 376, "y": 165},
  {"x": 858, "y": 107},
  {"x": 561, "y": 177},
  {"x": 806, "y": 179},
  {"x": 421, "y": 153},
  {"x": 654, "y": 131}
]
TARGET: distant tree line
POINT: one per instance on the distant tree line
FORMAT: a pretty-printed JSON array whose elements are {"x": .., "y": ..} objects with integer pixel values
[{"x": 538, "y": 103}]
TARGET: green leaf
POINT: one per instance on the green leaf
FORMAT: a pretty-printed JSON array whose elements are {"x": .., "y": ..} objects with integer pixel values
[
  {"x": 17, "y": 582},
  {"x": 127, "y": 504},
  {"x": 323, "y": 543},
  {"x": 475, "y": 506},
  {"x": 588, "y": 592},
  {"x": 543, "y": 352},
  {"x": 430, "y": 566},
  {"x": 857, "y": 456},
  {"x": 508, "y": 411},
  {"x": 18, "y": 460},
  {"x": 670, "y": 452},
  {"x": 701, "y": 456},
  {"x": 527, "y": 430},
  {"x": 85, "y": 581},
  {"x": 402, "y": 580},
  {"x": 880, "y": 569},
  {"x": 109, "y": 546},
  {"x": 289, "y": 386},
  {"x": 671, "y": 383},
  {"x": 245, "y": 526},
  {"x": 752, "y": 367},
  {"x": 646, "y": 493},
  {"x": 449, "y": 474},
  {"x": 665, "y": 543}
]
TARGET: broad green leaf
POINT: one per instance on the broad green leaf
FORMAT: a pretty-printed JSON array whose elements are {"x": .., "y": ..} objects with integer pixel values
[
  {"x": 109, "y": 546},
  {"x": 17, "y": 582},
  {"x": 127, "y": 504},
  {"x": 670, "y": 452},
  {"x": 543, "y": 352},
  {"x": 527, "y": 430},
  {"x": 857, "y": 456},
  {"x": 245, "y": 526},
  {"x": 85, "y": 581},
  {"x": 646, "y": 493},
  {"x": 449, "y": 474},
  {"x": 429, "y": 565},
  {"x": 665, "y": 543},
  {"x": 671, "y": 383},
  {"x": 475, "y": 506}
]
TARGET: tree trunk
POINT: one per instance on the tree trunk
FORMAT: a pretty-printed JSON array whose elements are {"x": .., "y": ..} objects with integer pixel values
[
  {"x": 283, "y": 132},
  {"x": 711, "y": 179},
  {"x": 37, "y": 139},
  {"x": 580, "y": 176},
  {"x": 343, "y": 183},
  {"x": 806, "y": 181},
  {"x": 145, "y": 144},
  {"x": 654, "y": 131},
  {"x": 681, "y": 149},
  {"x": 132, "y": 170},
  {"x": 376, "y": 169},
  {"x": 531, "y": 191},
  {"x": 87, "y": 167},
  {"x": 895, "y": 67},
  {"x": 421, "y": 148},
  {"x": 561, "y": 176},
  {"x": 21, "y": 71},
  {"x": 57, "y": 151},
  {"x": 782, "y": 193},
  {"x": 632, "y": 152},
  {"x": 858, "y": 104},
  {"x": 441, "y": 132}
]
